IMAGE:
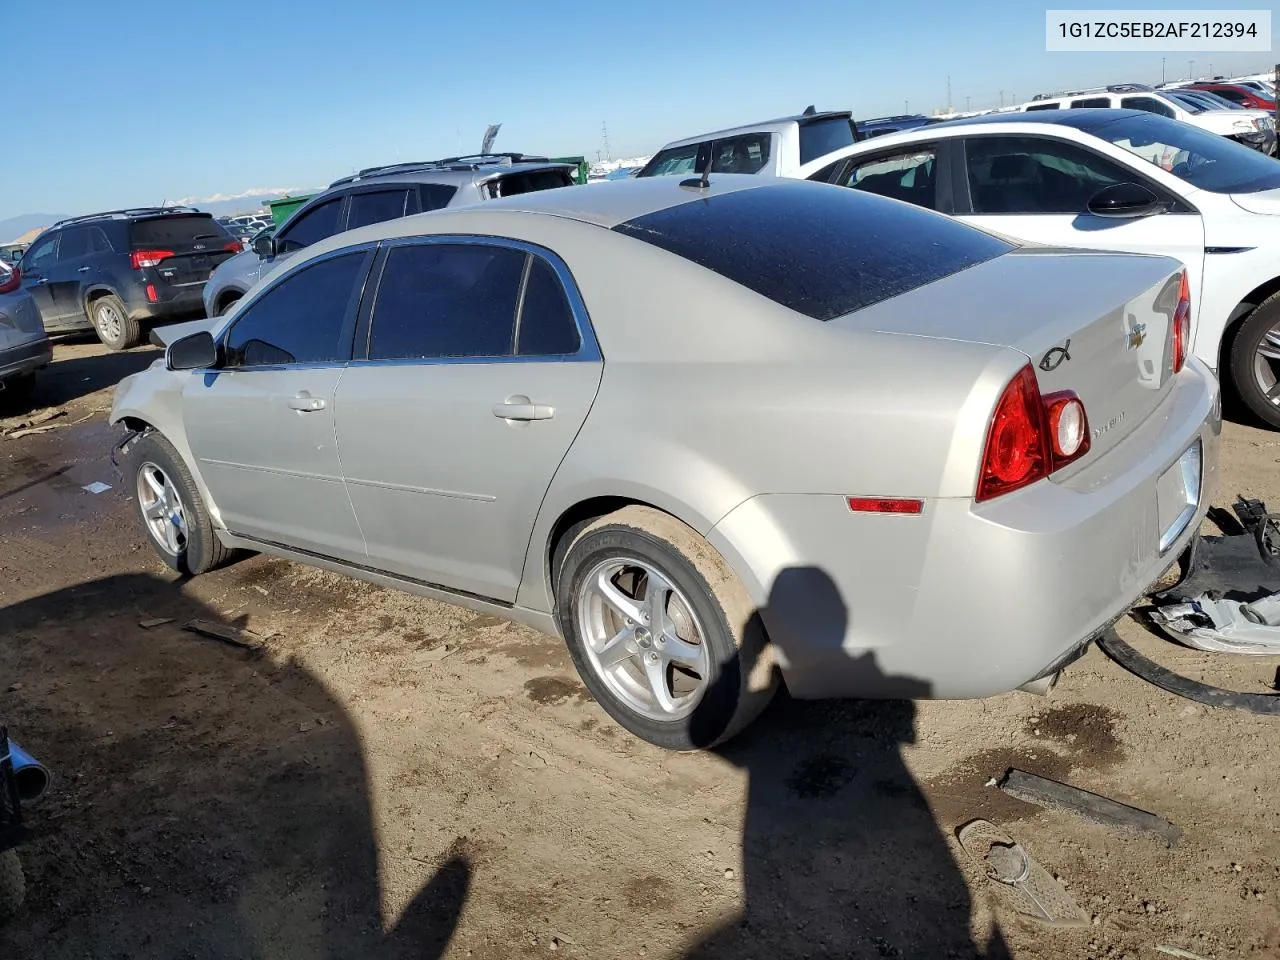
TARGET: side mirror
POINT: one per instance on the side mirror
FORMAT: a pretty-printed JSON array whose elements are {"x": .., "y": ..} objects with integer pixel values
[
  {"x": 1125, "y": 200},
  {"x": 198, "y": 351},
  {"x": 264, "y": 246}
]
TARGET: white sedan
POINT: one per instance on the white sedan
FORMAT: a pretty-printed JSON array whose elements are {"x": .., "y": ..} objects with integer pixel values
[{"x": 1120, "y": 180}]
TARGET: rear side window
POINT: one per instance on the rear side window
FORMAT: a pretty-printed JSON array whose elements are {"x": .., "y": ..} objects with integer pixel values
[
  {"x": 166, "y": 231},
  {"x": 318, "y": 223},
  {"x": 440, "y": 300},
  {"x": 1091, "y": 102},
  {"x": 744, "y": 154},
  {"x": 818, "y": 251},
  {"x": 819, "y": 138},
  {"x": 375, "y": 207},
  {"x": 1149, "y": 104},
  {"x": 435, "y": 196},
  {"x": 910, "y": 176},
  {"x": 517, "y": 183},
  {"x": 1042, "y": 106},
  {"x": 75, "y": 244},
  {"x": 301, "y": 319},
  {"x": 546, "y": 326}
]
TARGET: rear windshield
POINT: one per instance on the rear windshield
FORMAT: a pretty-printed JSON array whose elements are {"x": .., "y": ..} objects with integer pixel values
[
  {"x": 820, "y": 250},
  {"x": 821, "y": 137},
  {"x": 170, "y": 230}
]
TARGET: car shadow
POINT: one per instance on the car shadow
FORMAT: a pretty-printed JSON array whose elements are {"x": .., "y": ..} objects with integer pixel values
[
  {"x": 842, "y": 856},
  {"x": 206, "y": 801},
  {"x": 69, "y": 378}
]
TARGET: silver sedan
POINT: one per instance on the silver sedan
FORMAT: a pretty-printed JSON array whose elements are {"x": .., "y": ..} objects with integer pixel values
[{"x": 717, "y": 436}]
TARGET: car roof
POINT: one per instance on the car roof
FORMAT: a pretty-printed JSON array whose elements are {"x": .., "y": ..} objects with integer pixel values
[
  {"x": 446, "y": 171},
  {"x": 776, "y": 125},
  {"x": 1087, "y": 119}
]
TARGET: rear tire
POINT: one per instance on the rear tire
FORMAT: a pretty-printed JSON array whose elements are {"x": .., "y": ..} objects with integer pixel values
[
  {"x": 226, "y": 306},
  {"x": 170, "y": 508},
  {"x": 112, "y": 323},
  {"x": 1254, "y": 376},
  {"x": 13, "y": 884},
  {"x": 691, "y": 672}
]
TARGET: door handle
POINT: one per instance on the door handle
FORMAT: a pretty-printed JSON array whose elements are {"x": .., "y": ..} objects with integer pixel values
[
  {"x": 83, "y": 270},
  {"x": 522, "y": 408},
  {"x": 304, "y": 402}
]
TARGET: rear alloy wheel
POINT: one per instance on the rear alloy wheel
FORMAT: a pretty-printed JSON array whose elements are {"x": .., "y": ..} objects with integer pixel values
[
  {"x": 113, "y": 324},
  {"x": 1255, "y": 361},
  {"x": 170, "y": 508},
  {"x": 661, "y": 631}
]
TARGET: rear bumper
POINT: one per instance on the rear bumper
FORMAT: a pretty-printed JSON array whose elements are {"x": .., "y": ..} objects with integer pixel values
[
  {"x": 172, "y": 304},
  {"x": 25, "y": 358},
  {"x": 969, "y": 600}
]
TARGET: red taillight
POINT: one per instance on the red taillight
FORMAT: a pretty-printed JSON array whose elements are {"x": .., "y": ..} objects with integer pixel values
[
  {"x": 1181, "y": 327},
  {"x": 12, "y": 282},
  {"x": 1030, "y": 436},
  {"x": 1017, "y": 451},
  {"x": 884, "y": 505},
  {"x": 151, "y": 293},
  {"x": 147, "y": 258},
  {"x": 234, "y": 246}
]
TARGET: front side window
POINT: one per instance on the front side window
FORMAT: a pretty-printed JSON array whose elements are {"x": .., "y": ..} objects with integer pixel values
[
  {"x": 1148, "y": 105},
  {"x": 301, "y": 319},
  {"x": 438, "y": 300},
  {"x": 42, "y": 255},
  {"x": 909, "y": 176},
  {"x": 318, "y": 223},
  {"x": 1035, "y": 175},
  {"x": 375, "y": 207},
  {"x": 672, "y": 161}
]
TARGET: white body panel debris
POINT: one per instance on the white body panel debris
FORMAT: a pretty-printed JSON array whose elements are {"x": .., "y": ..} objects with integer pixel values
[{"x": 1224, "y": 626}]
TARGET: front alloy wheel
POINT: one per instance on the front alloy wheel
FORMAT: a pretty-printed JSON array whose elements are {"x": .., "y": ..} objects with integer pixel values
[{"x": 162, "y": 510}]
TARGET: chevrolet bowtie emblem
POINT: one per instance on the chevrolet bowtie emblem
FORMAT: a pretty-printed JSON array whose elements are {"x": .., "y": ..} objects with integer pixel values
[{"x": 1137, "y": 334}]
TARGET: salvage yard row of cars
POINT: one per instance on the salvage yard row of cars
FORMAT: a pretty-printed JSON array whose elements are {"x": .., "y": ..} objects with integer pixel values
[{"x": 722, "y": 430}]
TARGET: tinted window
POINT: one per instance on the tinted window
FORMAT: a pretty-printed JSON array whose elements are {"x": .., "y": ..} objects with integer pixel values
[
  {"x": 1035, "y": 175},
  {"x": 546, "y": 322},
  {"x": 910, "y": 177},
  {"x": 301, "y": 319},
  {"x": 41, "y": 255},
  {"x": 1148, "y": 105},
  {"x": 167, "y": 231},
  {"x": 435, "y": 196},
  {"x": 318, "y": 223},
  {"x": 367, "y": 208},
  {"x": 75, "y": 244},
  {"x": 446, "y": 300},
  {"x": 674, "y": 160},
  {"x": 1203, "y": 159},
  {"x": 1091, "y": 102},
  {"x": 745, "y": 154},
  {"x": 1235, "y": 96},
  {"x": 98, "y": 242},
  {"x": 822, "y": 136},
  {"x": 529, "y": 182},
  {"x": 1042, "y": 106},
  {"x": 820, "y": 252}
]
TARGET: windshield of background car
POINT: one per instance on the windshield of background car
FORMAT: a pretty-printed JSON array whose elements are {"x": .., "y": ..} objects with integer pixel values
[
  {"x": 1203, "y": 159},
  {"x": 819, "y": 251},
  {"x": 171, "y": 230},
  {"x": 821, "y": 137}
]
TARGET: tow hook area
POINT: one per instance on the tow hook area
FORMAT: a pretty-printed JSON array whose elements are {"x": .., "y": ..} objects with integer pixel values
[
  {"x": 1229, "y": 602},
  {"x": 121, "y": 449}
]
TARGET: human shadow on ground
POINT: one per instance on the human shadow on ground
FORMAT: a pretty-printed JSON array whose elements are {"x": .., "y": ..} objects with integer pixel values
[
  {"x": 841, "y": 853},
  {"x": 206, "y": 803}
]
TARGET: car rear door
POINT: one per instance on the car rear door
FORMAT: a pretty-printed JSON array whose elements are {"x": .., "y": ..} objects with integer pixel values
[
  {"x": 1038, "y": 188},
  {"x": 473, "y": 375},
  {"x": 261, "y": 426},
  {"x": 376, "y": 205},
  {"x": 918, "y": 174},
  {"x": 67, "y": 272}
]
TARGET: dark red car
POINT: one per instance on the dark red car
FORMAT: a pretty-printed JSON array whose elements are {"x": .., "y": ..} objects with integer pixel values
[{"x": 1244, "y": 96}]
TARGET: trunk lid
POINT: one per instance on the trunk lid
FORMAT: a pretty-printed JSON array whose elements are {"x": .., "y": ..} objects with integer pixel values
[
  {"x": 1093, "y": 323},
  {"x": 193, "y": 245}
]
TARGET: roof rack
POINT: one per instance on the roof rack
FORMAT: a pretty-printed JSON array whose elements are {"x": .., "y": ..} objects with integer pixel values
[
  {"x": 1130, "y": 88},
  {"x": 474, "y": 162},
  {"x": 129, "y": 212}
]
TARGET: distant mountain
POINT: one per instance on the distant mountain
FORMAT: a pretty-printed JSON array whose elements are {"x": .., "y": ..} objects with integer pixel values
[{"x": 15, "y": 227}]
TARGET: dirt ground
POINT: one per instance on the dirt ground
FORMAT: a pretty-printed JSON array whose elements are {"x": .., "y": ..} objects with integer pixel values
[{"x": 394, "y": 777}]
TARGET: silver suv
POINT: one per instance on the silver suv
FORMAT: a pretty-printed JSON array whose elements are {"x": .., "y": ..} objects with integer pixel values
[{"x": 382, "y": 193}]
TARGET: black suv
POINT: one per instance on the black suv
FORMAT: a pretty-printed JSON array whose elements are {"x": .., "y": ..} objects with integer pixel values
[{"x": 115, "y": 272}]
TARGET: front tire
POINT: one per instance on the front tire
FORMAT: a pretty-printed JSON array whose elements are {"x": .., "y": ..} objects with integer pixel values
[
  {"x": 1255, "y": 361},
  {"x": 226, "y": 306},
  {"x": 172, "y": 513},
  {"x": 112, "y": 323},
  {"x": 662, "y": 632}
]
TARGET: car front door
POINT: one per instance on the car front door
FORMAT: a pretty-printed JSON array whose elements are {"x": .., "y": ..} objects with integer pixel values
[
  {"x": 1038, "y": 189},
  {"x": 478, "y": 369},
  {"x": 310, "y": 226},
  {"x": 261, "y": 425},
  {"x": 37, "y": 266}
]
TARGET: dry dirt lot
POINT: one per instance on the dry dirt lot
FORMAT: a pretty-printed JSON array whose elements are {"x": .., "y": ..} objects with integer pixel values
[{"x": 394, "y": 777}]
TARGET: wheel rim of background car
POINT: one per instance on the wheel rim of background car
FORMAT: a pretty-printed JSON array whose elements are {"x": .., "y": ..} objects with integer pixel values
[
  {"x": 162, "y": 508},
  {"x": 643, "y": 639},
  {"x": 1265, "y": 362},
  {"x": 109, "y": 321}
]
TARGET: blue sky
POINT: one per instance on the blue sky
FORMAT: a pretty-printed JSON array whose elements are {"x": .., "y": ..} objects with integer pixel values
[{"x": 119, "y": 104}]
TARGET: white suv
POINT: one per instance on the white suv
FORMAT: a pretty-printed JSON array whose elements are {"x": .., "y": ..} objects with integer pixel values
[
  {"x": 786, "y": 147},
  {"x": 1256, "y": 132},
  {"x": 1112, "y": 180}
]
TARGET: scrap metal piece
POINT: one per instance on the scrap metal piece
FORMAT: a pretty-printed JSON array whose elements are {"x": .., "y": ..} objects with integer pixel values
[
  {"x": 1224, "y": 626},
  {"x": 1091, "y": 806},
  {"x": 1018, "y": 878}
]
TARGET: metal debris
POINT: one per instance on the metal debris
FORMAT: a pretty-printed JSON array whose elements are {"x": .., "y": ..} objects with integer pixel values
[
  {"x": 1224, "y": 626},
  {"x": 1091, "y": 806},
  {"x": 1020, "y": 880}
]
